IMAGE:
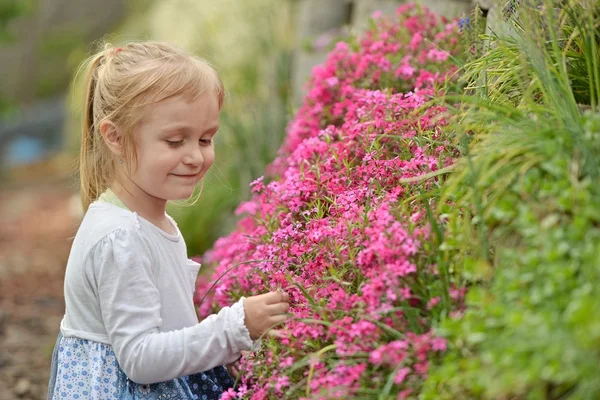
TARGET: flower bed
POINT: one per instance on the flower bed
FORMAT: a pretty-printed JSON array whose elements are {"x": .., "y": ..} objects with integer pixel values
[{"x": 343, "y": 224}]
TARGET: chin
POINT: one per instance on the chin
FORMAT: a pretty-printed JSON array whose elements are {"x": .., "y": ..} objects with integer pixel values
[{"x": 182, "y": 195}]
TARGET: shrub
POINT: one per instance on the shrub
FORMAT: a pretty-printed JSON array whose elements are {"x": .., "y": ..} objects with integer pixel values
[{"x": 344, "y": 225}]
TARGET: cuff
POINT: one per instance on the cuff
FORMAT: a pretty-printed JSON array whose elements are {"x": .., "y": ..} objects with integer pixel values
[{"x": 240, "y": 317}]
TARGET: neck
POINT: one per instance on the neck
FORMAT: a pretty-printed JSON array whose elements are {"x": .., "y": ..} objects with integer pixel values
[{"x": 137, "y": 200}]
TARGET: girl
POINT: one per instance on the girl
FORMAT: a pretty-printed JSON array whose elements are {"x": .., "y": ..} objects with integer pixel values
[{"x": 130, "y": 330}]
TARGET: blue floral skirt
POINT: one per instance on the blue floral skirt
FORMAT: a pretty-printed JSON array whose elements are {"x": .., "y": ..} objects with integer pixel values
[{"x": 84, "y": 369}]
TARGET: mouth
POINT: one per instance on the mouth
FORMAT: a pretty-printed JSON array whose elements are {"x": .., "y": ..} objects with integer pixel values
[{"x": 186, "y": 176}]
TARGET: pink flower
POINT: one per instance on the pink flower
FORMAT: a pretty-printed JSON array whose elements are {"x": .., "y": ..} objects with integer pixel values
[
  {"x": 437, "y": 55},
  {"x": 405, "y": 71},
  {"x": 401, "y": 375},
  {"x": 282, "y": 382},
  {"x": 376, "y": 356},
  {"x": 415, "y": 41},
  {"x": 247, "y": 207},
  {"x": 438, "y": 344},
  {"x": 433, "y": 302},
  {"x": 377, "y": 14},
  {"x": 333, "y": 81},
  {"x": 230, "y": 394},
  {"x": 257, "y": 185}
]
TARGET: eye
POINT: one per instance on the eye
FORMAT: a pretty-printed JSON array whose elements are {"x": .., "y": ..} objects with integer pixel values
[
  {"x": 206, "y": 142},
  {"x": 174, "y": 143}
]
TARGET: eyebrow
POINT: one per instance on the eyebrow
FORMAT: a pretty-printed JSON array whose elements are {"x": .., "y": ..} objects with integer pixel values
[{"x": 185, "y": 129}]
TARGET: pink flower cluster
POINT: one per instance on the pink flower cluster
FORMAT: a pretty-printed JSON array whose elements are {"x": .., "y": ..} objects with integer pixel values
[{"x": 341, "y": 226}]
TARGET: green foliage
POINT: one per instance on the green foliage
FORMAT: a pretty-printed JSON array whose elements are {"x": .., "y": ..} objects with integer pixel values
[
  {"x": 10, "y": 10},
  {"x": 62, "y": 41},
  {"x": 518, "y": 68},
  {"x": 532, "y": 328},
  {"x": 525, "y": 231},
  {"x": 56, "y": 48}
]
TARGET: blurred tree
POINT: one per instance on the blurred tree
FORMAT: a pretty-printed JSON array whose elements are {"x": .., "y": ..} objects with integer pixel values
[{"x": 9, "y": 10}]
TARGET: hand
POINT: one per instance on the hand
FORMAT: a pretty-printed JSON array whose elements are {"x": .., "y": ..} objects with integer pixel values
[
  {"x": 264, "y": 311},
  {"x": 234, "y": 367}
]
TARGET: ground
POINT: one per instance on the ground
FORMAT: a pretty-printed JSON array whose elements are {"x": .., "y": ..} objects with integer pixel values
[{"x": 36, "y": 224}]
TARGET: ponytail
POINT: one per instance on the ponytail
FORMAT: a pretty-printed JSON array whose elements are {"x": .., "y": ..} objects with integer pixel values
[{"x": 90, "y": 170}]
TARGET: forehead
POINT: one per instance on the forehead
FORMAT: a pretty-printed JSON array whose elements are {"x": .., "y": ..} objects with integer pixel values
[{"x": 199, "y": 113}]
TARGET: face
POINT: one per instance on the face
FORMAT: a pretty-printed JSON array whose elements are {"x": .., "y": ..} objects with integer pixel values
[{"x": 174, "y": 146}]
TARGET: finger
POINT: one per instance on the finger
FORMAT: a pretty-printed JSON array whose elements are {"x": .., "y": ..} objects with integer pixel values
[
  {"x": 245, "y": 353},
  {"x": 276, "y": 297},
  {"x": 275, "y": 333},
  {"x": 278, "y": 319},
  {"x": 235, "y": 367},
  {"x": 271, "y": 297},
  {"x": 279, "y": 308},
  {"x": 230, "y": 370}
]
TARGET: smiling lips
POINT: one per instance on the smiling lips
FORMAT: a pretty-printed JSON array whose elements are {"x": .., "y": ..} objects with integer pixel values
[{"x": 190, "y": 176}]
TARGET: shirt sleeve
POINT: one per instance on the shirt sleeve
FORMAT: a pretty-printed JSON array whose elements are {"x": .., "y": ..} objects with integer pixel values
[{"x": 130, "y": 304}]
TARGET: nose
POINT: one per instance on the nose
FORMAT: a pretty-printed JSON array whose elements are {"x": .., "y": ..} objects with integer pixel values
[{"x": 193, "y": 156}]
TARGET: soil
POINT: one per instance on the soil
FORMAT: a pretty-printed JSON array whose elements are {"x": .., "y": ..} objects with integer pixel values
[{"x": 36, "y": 224}]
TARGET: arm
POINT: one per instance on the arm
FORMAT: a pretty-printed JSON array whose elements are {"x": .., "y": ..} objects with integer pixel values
[{"x": 130, "y": 304}]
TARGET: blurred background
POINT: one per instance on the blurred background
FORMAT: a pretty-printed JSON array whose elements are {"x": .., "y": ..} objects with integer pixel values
[{"x": 264, "y": 51}]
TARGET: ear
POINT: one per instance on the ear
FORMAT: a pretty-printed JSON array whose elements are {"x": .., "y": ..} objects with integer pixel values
[{"x": 112, "y": 137}]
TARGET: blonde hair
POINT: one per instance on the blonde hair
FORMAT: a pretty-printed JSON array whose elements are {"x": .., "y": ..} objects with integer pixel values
[{"x": 119, "y": 83}]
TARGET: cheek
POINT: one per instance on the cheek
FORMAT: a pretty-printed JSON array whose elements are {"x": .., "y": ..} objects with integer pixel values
[
  {"x": 154, "y": 164},
  {"x": 209, "y": 157}
]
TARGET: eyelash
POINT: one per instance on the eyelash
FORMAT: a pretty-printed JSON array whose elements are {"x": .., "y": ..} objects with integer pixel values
[{"x": 177, "y": 143}]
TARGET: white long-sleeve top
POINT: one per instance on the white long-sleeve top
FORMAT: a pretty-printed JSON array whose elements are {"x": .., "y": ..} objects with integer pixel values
[{"x": 130, "y": 284}]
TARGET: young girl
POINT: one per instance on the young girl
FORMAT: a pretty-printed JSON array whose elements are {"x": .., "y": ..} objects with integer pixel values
[{"x": 130, "y": 330}]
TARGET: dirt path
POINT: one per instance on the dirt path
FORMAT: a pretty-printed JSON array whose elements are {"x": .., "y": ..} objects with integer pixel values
[{"x": 35, "y": 226}]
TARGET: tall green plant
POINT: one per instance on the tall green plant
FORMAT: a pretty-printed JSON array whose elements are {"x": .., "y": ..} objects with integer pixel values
[{"x": 525, "y": 231}]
